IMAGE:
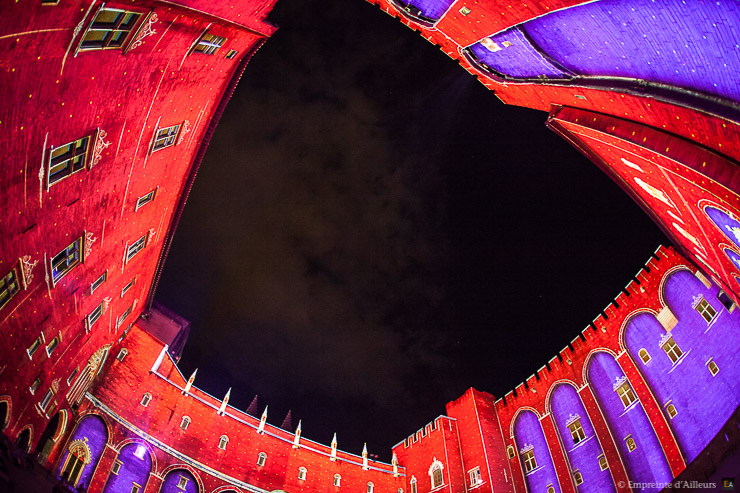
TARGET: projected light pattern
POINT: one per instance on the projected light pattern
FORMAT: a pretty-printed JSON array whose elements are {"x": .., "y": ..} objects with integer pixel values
[{"x": 539, "y": 473}]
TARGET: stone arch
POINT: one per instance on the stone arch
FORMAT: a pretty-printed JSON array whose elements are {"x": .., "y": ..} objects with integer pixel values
[
  {"x": 535, "y": 456},
  {"x": 90, "y": 433},
  {"x": 24, "y": 438},
  {"x": 139, "y": 441},
  {"x": 171, "y": 479},
  {"x": 133, "y": 465}
]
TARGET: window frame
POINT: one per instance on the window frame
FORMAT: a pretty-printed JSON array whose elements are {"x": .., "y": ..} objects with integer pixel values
[
  {"x": 603, "y": 463},
  {"x": 94, "y": 315},
  {"x": 436, "y": 474},
  {"x": 185, "y": 423},
  {"x": 212, "y": 45},
  {"x": 35, "y": 345},
  {"x": 475, "y": 476},
  {"x": 413, "y": 488},
  {"x": 223, "y": 441},
  {"x": 46, "y": 400},
  {"x": 129, "y": 32},
  {"x": 704, "y": 308},
  {"x": 97, "y": 282},
  {"x": 626, "y": 390},
  {"x": 712, "y": 367},
  {"x": 370, "y": 487},
  {"x": 122, "y": 354},
  {"x": 337, "y": 480},
  {"x": 166, "y": 140},
  {"x": 577, "y": 431},
  {"x": 72, "y": 375},
  {"x": 128, "y": 286},
  {"x": 146, "y": 198},
  {"x": 35, "y": 385},
  {"x": 74, "y": 160},
  {"x": 146, "y": 399},
  {"x": 529, "y": 460},
  {"x": 116, "y": 467},
  {"x": 6, "y": 286},
  {"x": 302, "y": 473},
  {"x": 73, "y": 249},
  {"x": 123, "y": 316},
  {"x": 630, "y": 443},
  {"x": 182, "y": 482},
  {"x": 672, "y": 350},
  {"x": 644, "y": 356},
  {"x": 136, "y": 247},
  {"x": 53, "y": 344},
  {"x": 261, "y": 459},
  {"x": 577, "y": 477}
]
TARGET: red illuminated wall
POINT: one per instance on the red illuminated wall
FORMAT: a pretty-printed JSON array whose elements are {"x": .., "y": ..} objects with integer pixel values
[{"x": 55, "y": 93}]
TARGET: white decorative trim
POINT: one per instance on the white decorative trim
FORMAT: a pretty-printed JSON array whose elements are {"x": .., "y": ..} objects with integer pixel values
[
  {"x": 106, "y": 302},
  {"x": 527, "y": 447},
  {"x": 152, "y": 233},
  {"x": 100, "y": 146},
  {"x": 28, "y": 267},
  {"x": 83, "y": 445},
  {"x": 185, "y": 129},
  {"x": 89, "y": 240},
  {"x": 78, "y": 28},
  {"x": 55, "y": 386},
  {"x": 619, "y": 382},
  {"x": 572, "y": 419},
  {"x": 696, "y": 300},
  {"x": 734, "y": 230},
  {"x": 664, "y": 338},
  {"x": 145, "y": 30}
]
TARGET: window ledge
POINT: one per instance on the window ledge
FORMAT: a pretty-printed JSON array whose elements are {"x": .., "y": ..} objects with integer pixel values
[
  {"x": 477, "y": 485},
  {"x": 679, "y": 361},
  {"x": 438, "y": 487}
]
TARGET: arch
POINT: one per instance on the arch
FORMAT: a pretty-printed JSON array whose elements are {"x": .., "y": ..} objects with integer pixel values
[
  {"x": 184, "y": 423},
  {"x": 578, "y": 437},
  {"x": 302, "y": 473},
  {"x": 370, "y": 487},
  {"x": 337, "y": 480},
  {"x": 534, "y": 452},
  {"x": 261, "y": 459},
  {"x": 723, "y": 221},
  {"x": 89, "y": 436},
  {"x": 6, "y": 406},
  {"x": 412, "y": 485},
  {"x": 144, "y": 444},
  {"x": 627, "y": 420},
  {"x": 24, "y": 438},
  {"x": 223, "y": 442},
  {"x": 227, "y": 489},
  {"x": 516, "y": 416},
  {"x": 53, "y": 431},
  {"x": 436, "y": 473},
  {"x": 181, "y": 479},
  {"x": 133, "y": 465}
]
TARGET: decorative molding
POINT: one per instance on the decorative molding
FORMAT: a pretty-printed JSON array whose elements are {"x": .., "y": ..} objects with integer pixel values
[
  {"x": 106, "y": 302},
  {"x": 145, "y": 30},
  {"x": 696, "y": 300},
  {"x": 89, "y": 240},
  {"x": 527, "y": 447},
  {"x": 28, "y": 267},
  {"x": 83, "y": 447},
  {"x": 183, "y": 131},
  {"x": 572, "y": 419},
  {"x": 152, "y": 233},
  {"x": 55, "y": 386},
  {"x": 619, "y": 382},
  {"x": 100, "y": 146},
  {"x": 78, "y": 28},
  {"x": 735, "y": 231},
  {"x": 664, "y": 339}
]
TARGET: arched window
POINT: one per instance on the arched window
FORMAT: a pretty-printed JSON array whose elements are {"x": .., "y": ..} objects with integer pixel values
[
  {"x": 413, "y": 484},
  {"x": 644, "y": 356},
  {"x": 145, "y": 399},
  {"x": 122, "y": 354},
  {"x": 511, "y": 452},
  {"x": 302, "y": 473},
  {"x": 550, "y": 488},
  {"x": 370, "y": 487},
  {"x": 337, "y": 480},
  {"x": 261, "y": 459},
  {"x": 400, "y": 490},
  {"x": 185, "y": 423},
  {"x": 435, "y": 474},
  {"x": 222, "y": 442},
  {"x": 79, "y": 456}
]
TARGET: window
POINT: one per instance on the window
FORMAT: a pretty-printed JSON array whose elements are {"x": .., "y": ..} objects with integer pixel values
[
  {"x": 413, "y": 485},
  {"x": 550, "y": 488},
  {"x": 128, "y": 286},
  {"x": 46, "y": 400},
  {"x": 576, "y": 431},
  {"x": 706, "y": 310},
  {"x": 261, "y": 459},
  {"x": 135, "y": 248},
  {"x": 95, "y": 315},
  {"x": 35, "y": 345},
  {"x": 510, "y": 450},
  {"x": 302, "y": 471},
  {"x": 231, "y": 54},
  {"x": 726, "y": 301},
  {"x": 68, "y": 159},
  {"x": 337, "y": 480},
  {"x": 100, "y": 280},
  {"x": 670, "y": 409},
  {"x": 135, "y": 488},
  {"x": 145, "y": 199},
  {"x": 8, "y": 287},
  {"x": 185, "y": 423},
  {"x": 182, "y": 483},
  {"x": 370, "y": 487},
  {"x": 116, "y": 467},
  {"x": 626, "y": 394},
  {"x": 109, "y": 29},
  {"x": 713, "y": 368},
  {"x": 124, "y": 315},
  {"x": 122, "y": 354},
  {"x": 530, "y": 463},
  {"x": 644, "y": 355},
  {"x": 603, "y": 465},
  {"x": 672, "y": 350},
  {"x": 52, "y": 346},
  {"x": 208, "y": 44},
  {"x": 222, "y": 442},
  {"x": 437, "y": 478},
  {"x": 35, "y": 385},
  {"x": 165, "y": 137},
  {"x": 475, "y": 476},
  {"x": 631, "y": 445},
  {"x": 66, "y": 260},
  {"x": 72, "y": 375},
  {"x": 577, "y": 477},
  {"x": 465, "y": 10}
]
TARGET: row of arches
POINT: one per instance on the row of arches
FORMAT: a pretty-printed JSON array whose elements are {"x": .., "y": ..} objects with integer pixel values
[{"x": 687, "y": 364}]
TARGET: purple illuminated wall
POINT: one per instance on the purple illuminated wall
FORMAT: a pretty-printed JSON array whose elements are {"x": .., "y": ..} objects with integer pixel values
[
  {"x": 171, "y": 481},
  {"x": 91, "y": 430},
  {"x": 430, "y": 9},
  {"x": 136, "y": 463},
  {"x": 647, "y": 463},
  {"x": 583, "y": 456},
  {"x": 528, "y": 431},
  {"x": 729, "y": 226}
]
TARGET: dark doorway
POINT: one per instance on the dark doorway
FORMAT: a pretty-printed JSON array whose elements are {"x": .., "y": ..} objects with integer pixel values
[
  {"x": 23, "y": 441},
  {"x": 46, "y": 441}
]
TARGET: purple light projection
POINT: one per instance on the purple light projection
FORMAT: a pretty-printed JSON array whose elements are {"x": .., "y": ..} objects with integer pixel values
[
  {"x": 136, "y": 464},
  {"x": 179, "y": 481},
  {"x": 583, "y": 456},
  {"x": 733, "y": 256},
  {"x": 92, "y": 431},
  {"x": 430, "y": 9},
  {"x": 528, "y": 435},
  {"x": 729, "y": 226},
  {"x": 646, "y": 463}
]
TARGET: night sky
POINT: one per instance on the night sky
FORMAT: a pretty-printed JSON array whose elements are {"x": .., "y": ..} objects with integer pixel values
[{"x": 372, "y": 232}]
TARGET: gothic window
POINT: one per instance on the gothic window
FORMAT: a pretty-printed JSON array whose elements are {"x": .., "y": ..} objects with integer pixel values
[
  {"x": 302, "y": 471},
  {"x": 713, "y": 368},
  {"x": 209, "y": 44},
  {"x": 631, "y": 445},
  {"x": 337, "y": 480},
  {"x": 413, "y": 485},
  {"x": 109, "y": 29},
  {"x": 261, "y": 459},
  {"x": 475, "y": 476},
  {"x": 510, "y": 450},
  {"x": 100, "y": 280},
  {"x": 603, "y": 465},
  {"x": 66, "y": 260},
  {"x": 436, "y": 475},
  {"x": 644, "y": 355},
  {"x": 165, "y": 137},
  {"x": 222, "y": 442},
  {"x": 577, "y": 477},
  {"x": 726, "y": 301},
  {"x": 135, "y": 247},
  {"x": 185, "y": 423},
  {"x": 706, "y": 310},
  {"x": 370, "y": 487},
  {"x": 672, "y": 350},
  {"x": 550, "y": 488},
  {"x": 77, "y": 459},
  {"x": 145, "y": 402},
  {"x": 95, "y": 315},
  {"x": 576, "y": 431},
  {"x": 9, "y": 287},
  {"x": 626, "y": 394},
  {"x": 72, "y": 375},
  {"x": 68, "y": 159},
  {"x": 35, "y": 385},
  {"x": 145, "y": 199},
  {"x": 530, "y": 463}
]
